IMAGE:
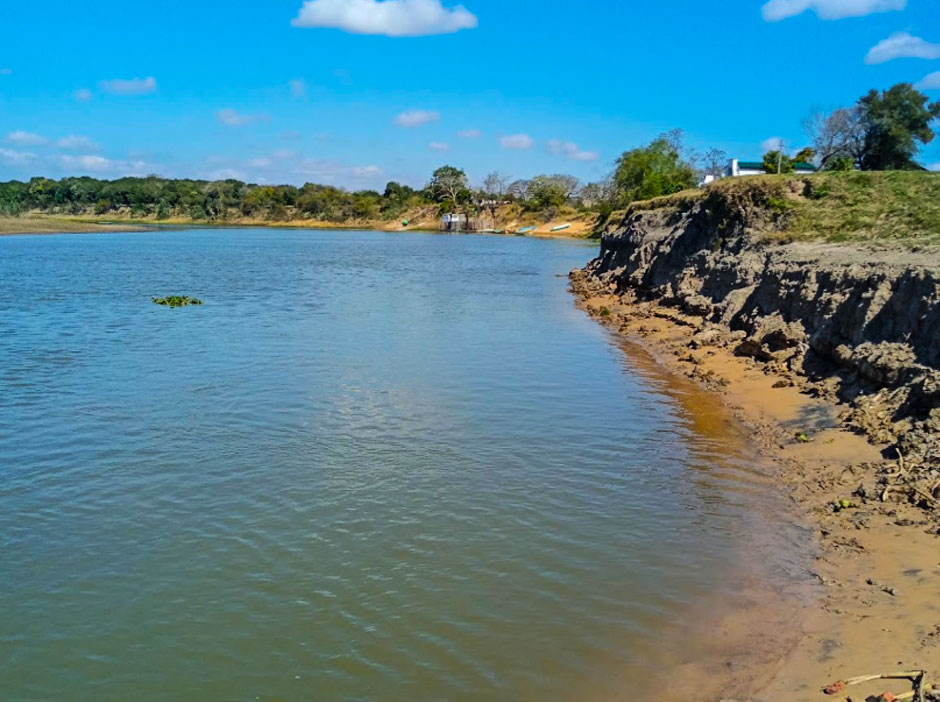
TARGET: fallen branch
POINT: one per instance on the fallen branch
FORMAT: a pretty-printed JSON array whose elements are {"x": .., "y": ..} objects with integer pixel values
[{"x": 917, "y": 678}]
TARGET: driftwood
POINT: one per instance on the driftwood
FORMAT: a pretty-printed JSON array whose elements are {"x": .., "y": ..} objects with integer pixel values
[{"x": 917, "y": 678}]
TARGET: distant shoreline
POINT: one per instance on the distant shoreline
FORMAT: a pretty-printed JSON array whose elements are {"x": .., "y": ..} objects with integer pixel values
[{"x": 41, "y": 224}]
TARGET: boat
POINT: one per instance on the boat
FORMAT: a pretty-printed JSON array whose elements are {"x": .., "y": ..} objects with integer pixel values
[
  {"x": 526, "y": 230},
  {"x": 560, "y": 227}
]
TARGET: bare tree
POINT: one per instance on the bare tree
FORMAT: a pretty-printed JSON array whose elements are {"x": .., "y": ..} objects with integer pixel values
[
  {"x": 518, "y": 189},
  {"x": 837, "y": 135},
  {"x": 567, "y": 183},
  {"x": 713, "y": 162},
  {"x": 495, "y": 184}
]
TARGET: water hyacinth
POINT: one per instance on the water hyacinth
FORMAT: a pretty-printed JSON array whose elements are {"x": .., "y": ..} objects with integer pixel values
[{"x": 176, "y": 301}]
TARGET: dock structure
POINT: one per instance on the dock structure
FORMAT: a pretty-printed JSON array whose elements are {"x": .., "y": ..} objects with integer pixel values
[{"x": 460, "y": 222}]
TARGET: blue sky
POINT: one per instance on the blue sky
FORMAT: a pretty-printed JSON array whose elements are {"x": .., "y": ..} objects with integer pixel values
[{"x": 358, "y": 92}]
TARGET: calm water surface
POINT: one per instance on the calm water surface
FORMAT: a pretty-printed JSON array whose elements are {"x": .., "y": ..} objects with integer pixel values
[{"x": 370, "y": 467}]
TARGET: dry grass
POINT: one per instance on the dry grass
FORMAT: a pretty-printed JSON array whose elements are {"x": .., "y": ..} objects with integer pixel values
[
  {"x": 54, "y": 225},
  {"x": 895, "y": 207},
  {"x": 885, "y": 207}
]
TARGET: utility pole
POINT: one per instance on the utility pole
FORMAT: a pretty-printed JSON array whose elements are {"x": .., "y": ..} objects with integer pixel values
[{"x": 779, "y": 156}]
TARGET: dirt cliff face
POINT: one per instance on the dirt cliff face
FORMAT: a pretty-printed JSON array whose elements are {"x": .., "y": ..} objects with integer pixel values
[{"x": 859, "y": 324}]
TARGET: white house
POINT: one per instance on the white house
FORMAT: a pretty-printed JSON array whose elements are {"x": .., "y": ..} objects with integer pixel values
[{"x": 745, "y": 168}]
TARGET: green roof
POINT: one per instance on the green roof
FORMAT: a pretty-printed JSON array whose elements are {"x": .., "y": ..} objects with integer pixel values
[{"x": 759, "y": 165}]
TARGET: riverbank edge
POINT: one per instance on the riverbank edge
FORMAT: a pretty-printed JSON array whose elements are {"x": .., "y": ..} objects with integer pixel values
[
  {"x": 873, "y": 574},
  {"x": 15, "y": 226}
]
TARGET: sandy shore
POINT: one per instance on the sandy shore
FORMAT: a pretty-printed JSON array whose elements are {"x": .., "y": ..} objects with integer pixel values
[
  {"x": 40, "y": 224},
  {"x": 872, "y": 574},
  {"x": 53, "y": 225}
]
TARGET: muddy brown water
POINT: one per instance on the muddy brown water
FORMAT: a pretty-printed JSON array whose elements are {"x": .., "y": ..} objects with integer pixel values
[{"x": 370, "y": 466}]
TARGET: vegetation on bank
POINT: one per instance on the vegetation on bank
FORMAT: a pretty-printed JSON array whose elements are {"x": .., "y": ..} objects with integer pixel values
[
  {"x": 882, "y": 131},
  {"x": 156, "y": 199},
  {"x": 881, "y": 207}
]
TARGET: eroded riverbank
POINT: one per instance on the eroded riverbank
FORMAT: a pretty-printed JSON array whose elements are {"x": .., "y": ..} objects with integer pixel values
[{"x": 827, "y": 354}]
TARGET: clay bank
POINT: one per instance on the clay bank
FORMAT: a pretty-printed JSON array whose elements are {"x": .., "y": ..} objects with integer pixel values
[{"x": 825, "y": 288}]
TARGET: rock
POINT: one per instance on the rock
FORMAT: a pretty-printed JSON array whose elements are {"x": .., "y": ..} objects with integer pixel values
[{"x": 752, "y": 349}]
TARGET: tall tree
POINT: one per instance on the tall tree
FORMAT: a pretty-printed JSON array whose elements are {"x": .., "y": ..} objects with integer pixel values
[
  {"x": 448, "y": 184},
  {"x": 494, "y": 184},
  {"x": 653, "y": 170},
  {"x": 713, "y": 162},
  {"x": 897, "y": 119}
]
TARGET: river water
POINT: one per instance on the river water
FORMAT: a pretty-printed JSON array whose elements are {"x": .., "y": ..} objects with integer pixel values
[{"x": 371, "y": 466}]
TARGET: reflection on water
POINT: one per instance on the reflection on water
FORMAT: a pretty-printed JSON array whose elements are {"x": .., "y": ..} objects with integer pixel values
[{"x": 370, "y": 466}]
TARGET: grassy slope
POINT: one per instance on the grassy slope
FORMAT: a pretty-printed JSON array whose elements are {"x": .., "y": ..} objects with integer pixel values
[{"x": 899, "y": 207}]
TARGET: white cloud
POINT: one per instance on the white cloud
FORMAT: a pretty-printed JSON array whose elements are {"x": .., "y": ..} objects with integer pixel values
[
  {"x": 298, "y": 88},
  {"x": 929, "y": 82},
  {"x": 227, "y": 174},
  {"x": 368, "y": 172},
  {"x": 776, "y": 10},
  {"x": 439, "y": 146},
  {"x": 284, "y": 155},
  {"x": 570, "y": 150},
  {"x": 83, "y": 95},
  {"x": 416, "y": 118},
  {"x": 333, "y": 172},
  {"x": 132, "y": 86},
  {"x": 277, "y": 157},
  {"x": 234, "y": 118},
  {"x": 902, "y": 45},
  {"x": 517, "y": 141},
  {"x": 89, "y": 163},
  {"x": 470, "y": 134},
  {"x": 76, "y": 143},
  {"x": 772, "y": 144},
  {"x": 21, "y": 138},
  {"x": 391, "y": 18},
  {"x": 6, "y": 71},
  {"x": 16, "y": 158}
]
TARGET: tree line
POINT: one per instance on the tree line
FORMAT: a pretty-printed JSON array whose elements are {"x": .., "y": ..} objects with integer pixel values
[
  {"x": 881, "y": 131},
  {"x": 163, "y": 198}
]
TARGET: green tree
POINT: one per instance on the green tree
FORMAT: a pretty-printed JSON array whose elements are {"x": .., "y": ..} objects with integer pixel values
[
  {"x": 805, "y": 155},
  {"x": 777, "y": 162},
  {"x": 653, "y": 170},
  {"x": 545, "y": 192},
  {"x": 396, "y": 198},
  {"x": 896, "y": 120},
  {"x": 449, "y": 184}
]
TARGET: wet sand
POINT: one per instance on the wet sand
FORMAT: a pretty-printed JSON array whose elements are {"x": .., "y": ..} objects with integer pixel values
[{"x": 867, "y": 601}]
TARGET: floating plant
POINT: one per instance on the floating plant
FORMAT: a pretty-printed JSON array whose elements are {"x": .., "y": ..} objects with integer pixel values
[{"x": 176, "y": 301}]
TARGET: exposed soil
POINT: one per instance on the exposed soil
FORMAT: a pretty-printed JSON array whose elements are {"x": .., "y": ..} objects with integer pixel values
[
  {"x": 829, "y": 354},
  {"x": 875, "y": 572}
]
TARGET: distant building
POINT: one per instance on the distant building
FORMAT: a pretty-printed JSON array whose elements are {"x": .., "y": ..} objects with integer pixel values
[
  {"x": 745, "y": 168},
  {"x": 464, "y": 223},
  {"x": 737, "y": 168},
  {"x": 454, "y": 223}
]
